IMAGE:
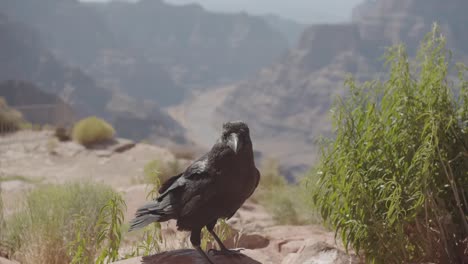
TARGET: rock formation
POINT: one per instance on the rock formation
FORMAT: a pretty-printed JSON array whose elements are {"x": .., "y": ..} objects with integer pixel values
[
  {"x": 288, "y": 103},
  {"x": 37, "y": 106}
]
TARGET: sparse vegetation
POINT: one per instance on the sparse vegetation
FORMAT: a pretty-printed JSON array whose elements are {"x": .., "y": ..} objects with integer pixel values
[
  {"x": 152, "y": 238},
  {"x": 288, "y": 203},
  {"x": 222, "y": 229},
  {"x": 10, "y": 120},
  {"x": 92, "y": 130},
  {"x": 60, "y": 223},
  {"x": 109, "y": 227},
  {"x": 3, "y": 244},
  {"x": 151, "y": 242},
  {"x": 5, "y": 178},
  {"x": 394, "y": 182}
]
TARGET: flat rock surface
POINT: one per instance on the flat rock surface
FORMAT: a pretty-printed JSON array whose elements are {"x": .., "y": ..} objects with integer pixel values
[{"x": 191, "y": 256}]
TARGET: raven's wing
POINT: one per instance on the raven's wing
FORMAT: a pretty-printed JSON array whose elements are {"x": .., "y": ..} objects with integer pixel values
[
  {"x": 168, "y": 183},
  {"x": 187, "y": 180}
]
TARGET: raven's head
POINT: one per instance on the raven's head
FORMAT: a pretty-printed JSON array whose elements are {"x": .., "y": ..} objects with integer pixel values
[{"x": 236, "y": 135}]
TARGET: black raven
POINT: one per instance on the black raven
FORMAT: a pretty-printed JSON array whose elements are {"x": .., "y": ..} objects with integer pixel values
[{"x": 213, "y": 187}]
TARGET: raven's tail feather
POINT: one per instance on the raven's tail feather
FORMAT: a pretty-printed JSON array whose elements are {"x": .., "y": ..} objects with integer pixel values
[
  {"x": 142, "y": 221},
  {"x": 154, "y": 211}
]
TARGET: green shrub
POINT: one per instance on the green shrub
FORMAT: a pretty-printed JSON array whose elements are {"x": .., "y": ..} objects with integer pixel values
[
  {"x": 58, "y": 224},
  {"x": 10, "y": 120},
  {"x": 109, "y": 229},
  {"x": 394, "y": 182},
  {"x": 92, "y": 130}
]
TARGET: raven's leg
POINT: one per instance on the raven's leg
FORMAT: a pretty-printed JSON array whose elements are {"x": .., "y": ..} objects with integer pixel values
[
  {"x": 224, "y": 250},
  {"x": 195, "y": 239}
]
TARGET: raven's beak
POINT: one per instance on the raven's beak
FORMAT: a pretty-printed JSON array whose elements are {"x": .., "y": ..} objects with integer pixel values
[{"x": 233, "y": 142}]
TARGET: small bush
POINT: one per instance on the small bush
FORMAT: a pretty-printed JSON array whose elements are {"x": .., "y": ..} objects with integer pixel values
[
  {"x": 92, "y": 130},
  {"x": 59, "y": 224},
  {"x": 393, "y": 184},
  {"x": 10, "y": 120},
  {"x": 62, "y": 134}
]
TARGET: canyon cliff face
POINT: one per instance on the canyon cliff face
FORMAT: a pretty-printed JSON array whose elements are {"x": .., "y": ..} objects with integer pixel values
[
  {"x": 389, "y": 22},
  {"x": 78, "y": 35},
  {"x": 288, "y": 104},
  {"x": 151, "y": 49},
  {"x": 32, "y": 76},
  {"x": 115, "y": 59},
  {"x": 24, "y": 57},
  {"x": 35, "y": 105},
  {"x": 199, "y": 48}
]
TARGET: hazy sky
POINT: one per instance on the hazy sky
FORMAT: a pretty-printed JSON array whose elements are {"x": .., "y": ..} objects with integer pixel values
[{"x": 301, "y": 10}]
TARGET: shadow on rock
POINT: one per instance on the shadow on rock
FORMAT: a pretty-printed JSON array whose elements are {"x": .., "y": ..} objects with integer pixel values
[{"x": 190, "y": 256}]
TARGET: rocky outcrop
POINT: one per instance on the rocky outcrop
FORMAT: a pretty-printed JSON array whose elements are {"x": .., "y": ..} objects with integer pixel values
[
  {"x": 24, "y": 57},
  {"x": 37, "y": 106},
  {"x": 138, "y": 119},
  {"x": 189, "y": 256},
  {"x": 291, "y": 29},
  {"x": 78, "y": 34},
  {"x": 388, "y": 22},
  {"x": 47, "y": 89},
  {"x": 314, "y": 252}
]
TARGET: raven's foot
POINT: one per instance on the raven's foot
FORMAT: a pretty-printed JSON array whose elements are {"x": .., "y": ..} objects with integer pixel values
[{"x": 225, "y": 252}]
